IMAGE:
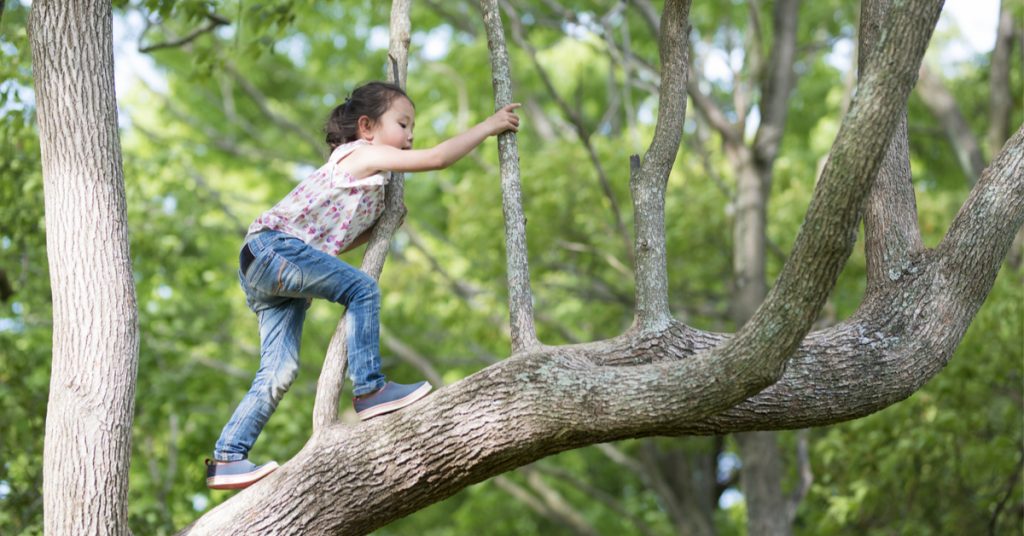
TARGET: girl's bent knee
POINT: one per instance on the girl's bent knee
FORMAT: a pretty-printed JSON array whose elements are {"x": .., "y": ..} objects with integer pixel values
[
  {"x": 366, "y": 289},
  {"x": 282, "y": 380}
]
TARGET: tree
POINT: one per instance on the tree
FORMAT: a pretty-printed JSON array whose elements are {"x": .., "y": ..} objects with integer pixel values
[
  {"x": 95, "y": 331},
  {"x": 662, "y": 377}
]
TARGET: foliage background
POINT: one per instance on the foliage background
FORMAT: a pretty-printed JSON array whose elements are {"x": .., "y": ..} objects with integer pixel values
[{"x": 217, "y": 130}]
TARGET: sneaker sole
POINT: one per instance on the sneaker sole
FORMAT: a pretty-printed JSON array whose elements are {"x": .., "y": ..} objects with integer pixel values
[
  {"x": 240, "y": 481},
  {"x": 395, "y": 405}
]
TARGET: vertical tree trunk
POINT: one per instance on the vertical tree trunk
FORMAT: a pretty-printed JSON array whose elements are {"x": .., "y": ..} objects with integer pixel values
[
  {"x": 95, "y": 324},
  {"x": 761, "y": 477},
  {"x": 1000, "y": 95}
]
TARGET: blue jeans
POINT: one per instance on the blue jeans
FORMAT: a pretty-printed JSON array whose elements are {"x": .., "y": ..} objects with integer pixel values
[{"x": 279, "y": 284}]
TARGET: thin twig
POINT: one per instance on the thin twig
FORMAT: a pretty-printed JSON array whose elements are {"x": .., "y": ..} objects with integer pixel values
[{"x": 215, "y": 21}]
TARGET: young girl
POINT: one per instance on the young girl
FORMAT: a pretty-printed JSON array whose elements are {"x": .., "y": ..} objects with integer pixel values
[{"x": 289, "y": 257}]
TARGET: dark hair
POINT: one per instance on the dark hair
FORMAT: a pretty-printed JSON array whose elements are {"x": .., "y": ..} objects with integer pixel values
[{"x": 371, "y": 99}]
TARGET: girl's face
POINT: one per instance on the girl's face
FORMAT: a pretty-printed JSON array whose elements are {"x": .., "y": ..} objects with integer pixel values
[{"x": 394, "y": 128}]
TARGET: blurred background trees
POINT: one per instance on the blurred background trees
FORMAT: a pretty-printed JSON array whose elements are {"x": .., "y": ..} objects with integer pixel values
[{"x": 221, "y": 109}]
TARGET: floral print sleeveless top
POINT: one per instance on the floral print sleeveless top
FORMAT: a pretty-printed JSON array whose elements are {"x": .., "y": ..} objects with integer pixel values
[{"x": 330, "y": 208}]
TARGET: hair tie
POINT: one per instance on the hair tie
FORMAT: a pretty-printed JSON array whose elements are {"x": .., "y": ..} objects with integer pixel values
[{"x": 344, "y": 107}]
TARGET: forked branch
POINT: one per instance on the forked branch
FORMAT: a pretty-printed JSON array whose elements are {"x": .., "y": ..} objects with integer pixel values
[
  {"x": 647, "y": 184},
  {"x": 891, "y": 235}
]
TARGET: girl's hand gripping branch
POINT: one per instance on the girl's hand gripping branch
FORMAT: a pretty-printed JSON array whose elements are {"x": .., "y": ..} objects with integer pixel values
[{"x": 504, "y": 119}]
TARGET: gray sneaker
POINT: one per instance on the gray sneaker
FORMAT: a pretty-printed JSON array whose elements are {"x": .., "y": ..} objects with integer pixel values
[
  {"x": 235, "y": 475},
  {"x": 393, "y": 396}
]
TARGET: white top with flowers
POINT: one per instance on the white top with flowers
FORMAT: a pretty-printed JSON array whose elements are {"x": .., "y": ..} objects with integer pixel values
[{"x": 330, "y": 208}]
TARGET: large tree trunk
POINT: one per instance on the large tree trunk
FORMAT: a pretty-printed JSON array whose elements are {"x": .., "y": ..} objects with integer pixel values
[{"x": 95, "y": 328}]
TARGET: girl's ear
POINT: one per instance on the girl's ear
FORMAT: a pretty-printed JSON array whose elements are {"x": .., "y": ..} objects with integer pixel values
[{"x": 365, "y": 127}]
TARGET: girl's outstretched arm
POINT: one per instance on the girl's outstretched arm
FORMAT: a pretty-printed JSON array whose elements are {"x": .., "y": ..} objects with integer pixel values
[{"x": 370, "y": 159}]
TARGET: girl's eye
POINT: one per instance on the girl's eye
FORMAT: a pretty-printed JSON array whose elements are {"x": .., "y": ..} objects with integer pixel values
[{"x": 402, "y": 125}]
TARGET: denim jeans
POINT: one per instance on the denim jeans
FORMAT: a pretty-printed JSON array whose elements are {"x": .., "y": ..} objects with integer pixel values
[{"x": 279, "y": 284}]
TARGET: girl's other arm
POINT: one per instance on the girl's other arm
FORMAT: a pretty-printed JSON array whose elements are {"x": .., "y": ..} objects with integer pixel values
[
  {"x": 360, "y": 240},
  {"x": 370, "y": 159}
]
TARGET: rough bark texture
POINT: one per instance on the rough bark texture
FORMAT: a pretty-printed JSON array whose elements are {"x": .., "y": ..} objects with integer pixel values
[
  {"x": 520, "y": 297},
  {"x": 332, "y": 375},
  {"x": 95, "y": 323},
  {"x": 892, "y": 236}
]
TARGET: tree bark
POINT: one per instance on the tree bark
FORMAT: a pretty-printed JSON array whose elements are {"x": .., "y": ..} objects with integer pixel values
[
  {"x": 520, "y": 297},
  {"x": 892, "y": 237},
  {"x": 649, "y": 179},
  {"x": 95, "y": 322}
]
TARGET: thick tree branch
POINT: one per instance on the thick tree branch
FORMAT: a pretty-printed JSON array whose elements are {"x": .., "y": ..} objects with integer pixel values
[
  {"x": 520, "y": 297},
  {"x": 891, "y": 233},
  {"x": 827, "y": 235},
  {"x": 332, "y": 376},
  {"x": 649, "y": 179},
  {"x": 985, "y": 226}
]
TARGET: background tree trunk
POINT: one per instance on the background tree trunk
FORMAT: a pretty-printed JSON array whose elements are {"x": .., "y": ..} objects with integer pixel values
[{"x": 95, "y": 324}]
